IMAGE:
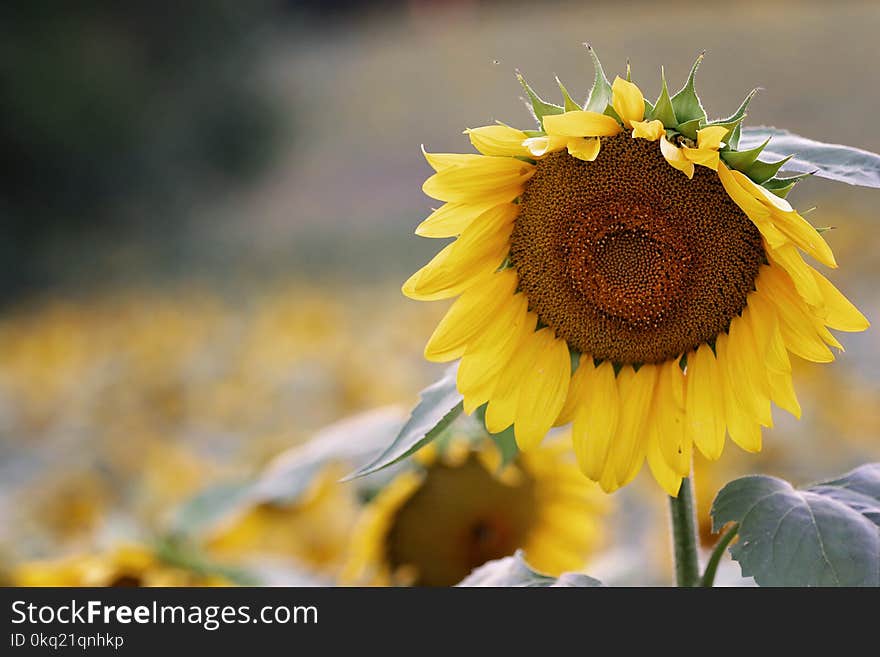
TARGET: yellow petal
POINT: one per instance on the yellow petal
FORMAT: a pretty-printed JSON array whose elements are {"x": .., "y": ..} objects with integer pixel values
[
  {"x": 765, "y": 329},
  {"x": 498, "y": 140},
  {"x": 676, "y": 158},
  {"x": 704, "y": 408},
  {"x": 475, "y": 179},
  {"x": 800, "y": 272},
  {"x": 650, "y": 130},
  {"x": 487, "y": 355},
  {"x": 782, "y": 392},
  {"x": 742, "y": 428},
  {"x": 584, "y": 148},
  {"x": 631, "y": 438},
  {"x": 795, "y": 319},
  {"x": 576, "y": 391},
  {"x": 501, "y": 411},
  {"x": 580, "y": 123},
  {"x": 840, "y": 313},
  {"x": 710, "y": 137},
  {"x": 469, "y": 314},
  {"x": 481, "y": 249},
  {"x": 667, "y": 477},
  {"x": 628, "y": 101},
  {"x": 789, "y": 222},
  {"x": 543, "y": 391},
  {"x": 669, "y": 416},
  {"x": 745, "y": 369},
  {"x": 703, "y": 156},
  {"x": 595, "y": 421},
  {"x": 541, "y": 146},
  {"x": 450, "y": 219}
]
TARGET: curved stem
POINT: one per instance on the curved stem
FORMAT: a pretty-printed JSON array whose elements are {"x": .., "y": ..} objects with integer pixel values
[
  {"x": 717, "y": 553},
  {"x": 684, "y": 536}
]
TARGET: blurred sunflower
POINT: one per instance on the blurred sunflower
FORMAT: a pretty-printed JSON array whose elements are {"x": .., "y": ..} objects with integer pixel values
[
  {"x": 313, "y": 531},
  {"x": 434, "y": 525},
  {"x": 125, "y": 565},
  {"x": 627, "y": 269}
]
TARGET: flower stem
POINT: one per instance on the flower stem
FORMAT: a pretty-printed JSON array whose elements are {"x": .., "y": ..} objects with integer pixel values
[
  {"x": 717, "y": 553},
  {"x": 684, "y": 536}
]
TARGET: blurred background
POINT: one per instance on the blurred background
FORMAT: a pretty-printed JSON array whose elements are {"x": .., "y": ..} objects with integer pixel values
[{"x": 207, "y": 210}]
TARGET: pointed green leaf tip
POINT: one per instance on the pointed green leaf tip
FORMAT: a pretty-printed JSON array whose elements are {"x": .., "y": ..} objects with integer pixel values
[
  {"x": 570, "y": 105},
  {"x": 663, "y": 110},
  {"x": 734, "y": 121},
  {"x": 686, "y": 103},
  {"x": 539, "y": 107},
  {"x": 600, "y": 93}
]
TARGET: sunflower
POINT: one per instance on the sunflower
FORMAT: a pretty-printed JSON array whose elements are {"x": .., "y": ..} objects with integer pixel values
[
  {"x": 126, "y": 565},
  {"x": 627, "y": 269},
  {"x": 462, "y": 507}
]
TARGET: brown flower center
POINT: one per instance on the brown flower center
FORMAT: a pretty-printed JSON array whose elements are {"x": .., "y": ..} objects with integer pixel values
[
  {"x": 460, "y": 518},
  {"x": 627, "y": 259}
]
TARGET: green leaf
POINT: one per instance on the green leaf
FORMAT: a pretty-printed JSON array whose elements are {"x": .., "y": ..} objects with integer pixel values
[
  {"x": 686, "y": 103},
  {"x": 291, "y": 474},
  {"x": 514, "y": 571},
  {"x": 570, "y": 105},
  {"x": 824, "y": 535},
  {"x": 539, "y": 107},
  {"x": 600, "y": 93},
  {"x": 733, "y": 122},
  {"x": 440, "y": 404},
  {"x": 833, "y": 161},
  {"x": 663, "y": 110}
]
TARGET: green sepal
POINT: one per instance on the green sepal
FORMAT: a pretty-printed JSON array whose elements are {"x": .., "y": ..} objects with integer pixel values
[
  {"x": 686, "y": 103},
  {"x": 733, "y": 121},
  {"x": 763, "y": 171},
  {"x": 649, "y": 108},
  {"x": 570, "y": 105},
  {"x": 610, "y": 111},
  {"x": 742, "y": 160},
  {"x": 600, "y": 93},
  {"x": 689, "y": 128},
  {"x": 782, "y": 186},
  {"x": 534, "y": 133},
  {"x": 663, "y": 110},
  {"x": 539, "y": 107}
]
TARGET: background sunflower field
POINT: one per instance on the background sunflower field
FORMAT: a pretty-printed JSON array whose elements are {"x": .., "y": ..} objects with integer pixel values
[{"x": 207, "y": 214}]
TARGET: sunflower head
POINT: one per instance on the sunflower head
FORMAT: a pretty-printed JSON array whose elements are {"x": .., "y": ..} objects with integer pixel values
[
  {"x": 463, "y": 507},
  {"x": 626, "y": 267}
]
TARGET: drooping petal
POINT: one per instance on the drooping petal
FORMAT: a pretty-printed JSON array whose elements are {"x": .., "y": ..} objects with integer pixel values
[
  {"x": 595, "y": 421},
  {"x": 744, "y": 367},
  {"x": 676, "y": 158},
  {"x": 543, "y": 391},
  {"x": 669, "y": 417},
  {"x": 840, "y": 313},
  {"x": 450, "y": 219},
  {"x": 704, "y": 408},
  {"x": 801, "y": 273},
  {"x": 703, "y": 156},
  {"x": 499, "y": 140},
  {"x": 581, "y": 124},
  {"x": 650, "y": 130},
  {"x": 710, "y": 137},
  {"x": 584, "y": 148},
  {"x": 741, "y": 426},
  {"x": 631, "y": 438},
  {"x": 576, "y": 391},
  {"x": 628, "y": 101}
]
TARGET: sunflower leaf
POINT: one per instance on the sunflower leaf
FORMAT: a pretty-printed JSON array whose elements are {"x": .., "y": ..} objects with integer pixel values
[
  {"x": 570, "y": 105},
  {"x": 825, "y": 535},
  {"x": 686, "y": 102},
  {"x": 514, "y": 571},
  {"x": 539, "y": 107},
  {"x": 440, "y": 404},
  {"x": 663, "y": 110},
  {"x": 833, "y": 161},
  {"x": 600, "y": 93}
]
